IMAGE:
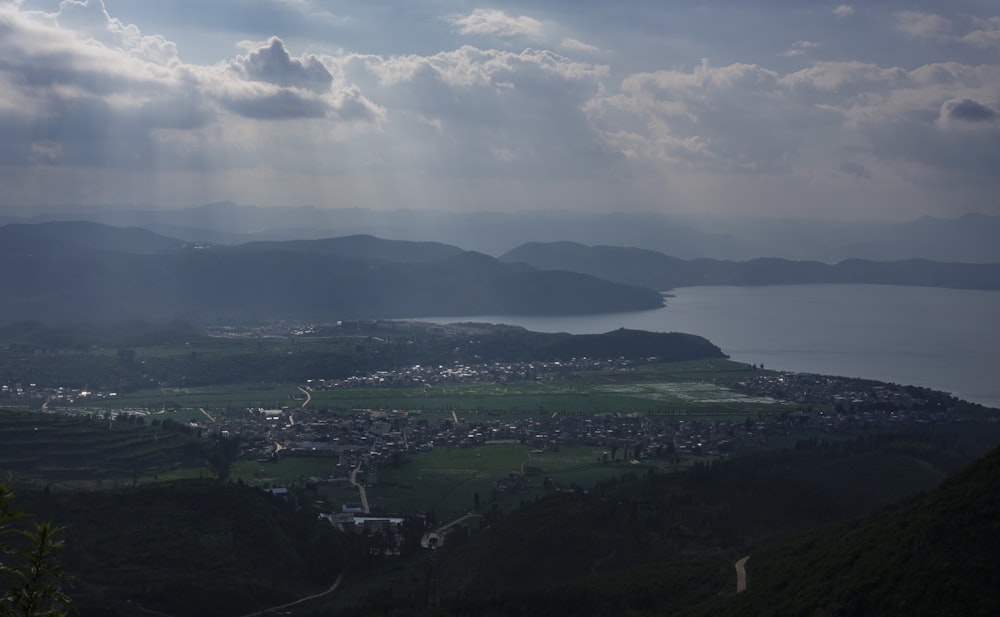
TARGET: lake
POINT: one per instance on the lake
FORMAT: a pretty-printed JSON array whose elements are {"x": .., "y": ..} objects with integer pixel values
[{"x": 945, "y": 339}]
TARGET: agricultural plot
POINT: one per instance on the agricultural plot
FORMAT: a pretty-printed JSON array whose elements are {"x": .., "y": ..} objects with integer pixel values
[
  {"x": 50, "y": 448},
  {"x": 700, "y": 393},
  {"x": 234, "y": 396},
  {"x": 283, "y": 472},
  {"x": 447, "y": 481},
  {"x": 685, "y": 390}
]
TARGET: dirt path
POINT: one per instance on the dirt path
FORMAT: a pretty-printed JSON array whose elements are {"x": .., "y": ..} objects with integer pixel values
[
  {"x": 525, "y": 462},
  {"x": 425, "y": 540},
  {"x": 207, "y": 415},
  {"x": 741, "y": 574},
  {"x": 308, "y": 396},
  {"x": 332, "y": 589}
]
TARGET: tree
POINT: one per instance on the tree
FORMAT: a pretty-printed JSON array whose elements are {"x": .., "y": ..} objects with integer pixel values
[{"x": 30, "y": 580}]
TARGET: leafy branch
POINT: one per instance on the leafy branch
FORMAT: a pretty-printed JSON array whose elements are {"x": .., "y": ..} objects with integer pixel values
[{"x": 30, "y": 579}]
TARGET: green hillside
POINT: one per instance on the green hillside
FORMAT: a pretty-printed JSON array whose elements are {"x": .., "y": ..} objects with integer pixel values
[
  {"x": 193, "y": 548},
  {"x": 658, "y": 543},
  {"x": 935, "y": 555}
]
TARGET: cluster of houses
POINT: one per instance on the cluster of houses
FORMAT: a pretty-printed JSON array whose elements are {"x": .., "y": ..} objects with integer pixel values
[
  {"x": 843, "y": 393},
  {"x": 495, "y": 372},
  {"x": 30, "y": 395}
]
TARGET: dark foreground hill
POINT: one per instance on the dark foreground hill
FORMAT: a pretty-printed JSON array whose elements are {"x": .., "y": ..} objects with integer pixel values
[
  {"x": 193, "y": 548},
  {"x": 652, "y": 269},
  {"x": 82, "y": 271},
  {"x": 932, "y": 556},
  {"x": 665, "y": 544}
]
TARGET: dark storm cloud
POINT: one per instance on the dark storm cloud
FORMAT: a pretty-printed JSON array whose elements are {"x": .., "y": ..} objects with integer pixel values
[{"x": 968, "y": 110}]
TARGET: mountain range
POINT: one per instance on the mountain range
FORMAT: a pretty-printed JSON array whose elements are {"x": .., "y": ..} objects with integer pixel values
[
  {"x": 85, "y": 271},
  {"x": 652, "y": 269},
  {"x": 971, "y": 238},
  {"x": 78, "y": 271}
]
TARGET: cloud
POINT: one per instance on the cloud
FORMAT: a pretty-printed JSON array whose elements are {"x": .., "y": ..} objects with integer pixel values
[
  {"x": 968, "y": 110},
  {"x": 575, "y": 45},
  {"x": 272, "y": 63},
  {"x": 522, "y": 109},
  {"x": 742, "y": 118},
  {"x": 104, "y": 95},
  {"x": 924, "y": 25},
  {"x": 985, "y": 33},
  {"x": 854, "y": 169},
  {"x": 90, "y": 18},
  {"x": 981, "y": 32},
  {"x": 800, "y": 48},
  {"x": 491, "y": 22},
  {"x": 727, "y": 118},
  {"x": 386, "y": 100}
]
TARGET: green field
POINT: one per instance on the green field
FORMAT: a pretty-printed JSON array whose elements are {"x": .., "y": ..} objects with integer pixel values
[
  {"x": 236, "y": 396},
  {"x": 91, "y": 451}
]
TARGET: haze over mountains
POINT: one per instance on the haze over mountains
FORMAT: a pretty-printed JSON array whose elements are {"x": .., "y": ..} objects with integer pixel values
[
  {"x": 659, "y": 271},
  {"x": 86, "y": 271},
  {"x": 969, "y": 238},
  {"x": 63, "y": 271}
]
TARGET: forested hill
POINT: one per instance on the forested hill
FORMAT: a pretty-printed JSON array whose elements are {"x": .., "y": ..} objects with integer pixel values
[
  {"x": 657, "y": 270},
  {"x": 59, "y": 272},
  {"x": 932, "y": 556}
]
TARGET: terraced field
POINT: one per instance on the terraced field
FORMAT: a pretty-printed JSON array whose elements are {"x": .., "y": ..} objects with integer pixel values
[{"x": 50, "y": 448}]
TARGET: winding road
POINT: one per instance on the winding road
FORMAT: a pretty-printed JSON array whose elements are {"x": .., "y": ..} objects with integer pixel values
[
  {"x": 308, "y": 396},
  {"x": 440, "y": 531},
  {"x": 332, "y": 589},
  {"x": 741, "y": 574}
]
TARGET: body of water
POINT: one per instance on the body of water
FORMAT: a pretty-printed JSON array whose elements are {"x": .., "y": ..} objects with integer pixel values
[{"x": 944, "y": 339}]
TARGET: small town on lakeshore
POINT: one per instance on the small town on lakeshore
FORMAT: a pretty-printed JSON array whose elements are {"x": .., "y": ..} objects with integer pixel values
[{"x": 360, "y": 442}]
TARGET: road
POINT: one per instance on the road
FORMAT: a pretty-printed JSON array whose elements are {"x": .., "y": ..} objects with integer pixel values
[
  {"x": 308, "y": 397},
  {"x": 207, "y": 415},
  {"x": 361, "y": 488},
  {"x": 425, "y": 541},
  {"x": 741, "y": 574},
  {"x": 332, "y": 589}
]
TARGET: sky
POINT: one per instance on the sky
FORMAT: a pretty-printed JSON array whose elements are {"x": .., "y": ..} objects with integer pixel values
[{"x": 780, "y": 108}]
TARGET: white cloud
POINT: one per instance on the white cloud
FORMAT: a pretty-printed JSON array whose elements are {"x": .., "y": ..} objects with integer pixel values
[
  {"x": 800, "y": 48},
  {"x": 70, "y": 98},
  {"x": 981, "y": 32},
  {"x": 486, "y": 105},
  {"x": 747, "y": 118},
  {"x": 985, "y": 33},
  {"x": 843, "y": 10},
  {"x": 491, "y": 22},
  {"x": 85, "y": 94},
  {"x": 924, "y": 25},
  {"x": 575, "y": 45},
  {"x": 90, "y": 19}
]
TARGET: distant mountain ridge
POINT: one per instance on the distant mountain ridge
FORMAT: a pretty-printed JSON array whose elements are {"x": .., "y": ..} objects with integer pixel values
[
  {"x": 970, "y": 238},
  {"x": 77, "y": 271},
  {"x": 652, "y": 269}
]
